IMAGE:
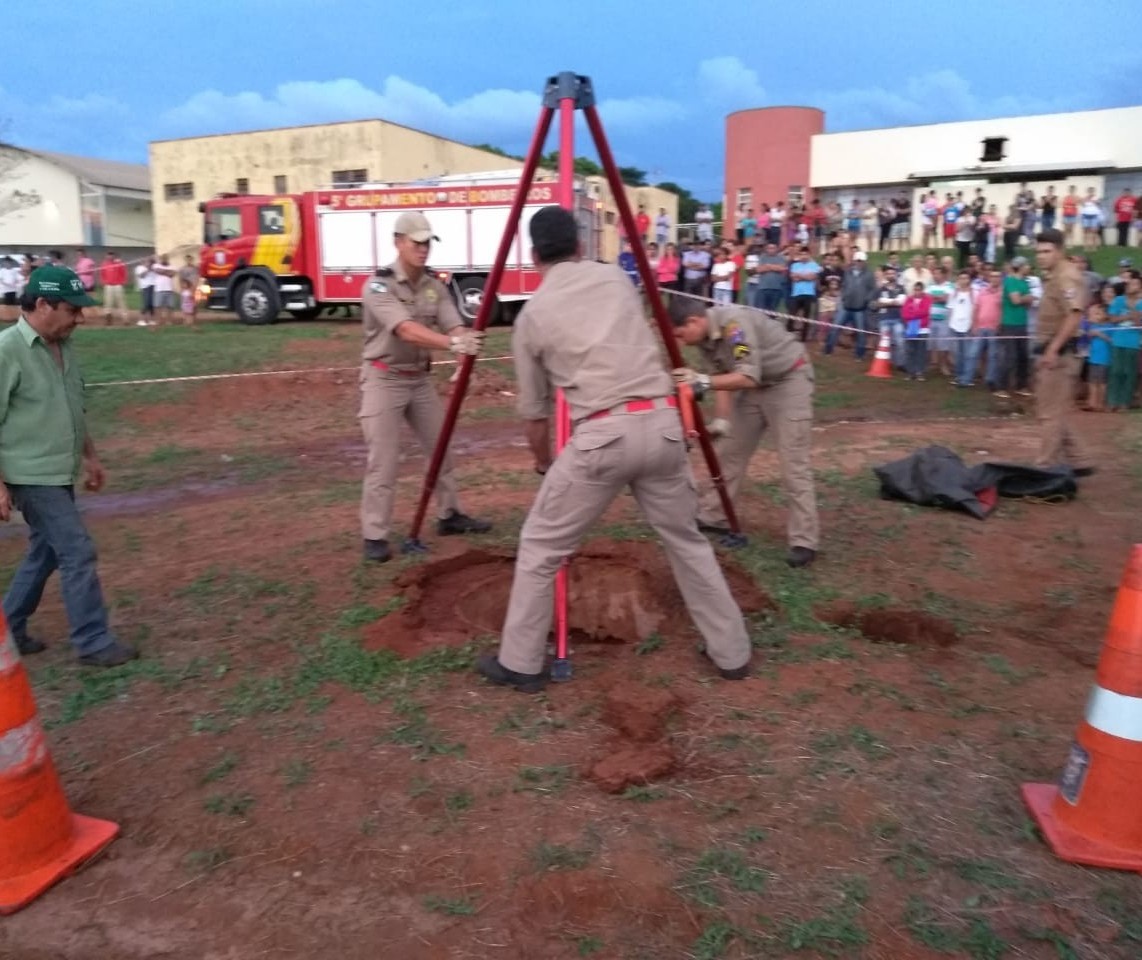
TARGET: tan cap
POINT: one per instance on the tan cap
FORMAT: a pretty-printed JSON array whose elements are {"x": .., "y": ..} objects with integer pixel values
[{"x": 415, "y": 226}]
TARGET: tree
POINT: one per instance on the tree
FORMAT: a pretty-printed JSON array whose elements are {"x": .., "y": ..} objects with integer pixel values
[
  {"x": 584, "y": 166},
  {"x": 12, "y": 200},
  {"x": 687, "y": 202},
  {"x": 500, "y": 151},
  {"x": 632, "y": 176}
]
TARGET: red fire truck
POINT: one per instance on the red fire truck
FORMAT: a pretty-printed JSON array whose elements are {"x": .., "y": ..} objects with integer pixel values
[{"x": 304, "y": 252}]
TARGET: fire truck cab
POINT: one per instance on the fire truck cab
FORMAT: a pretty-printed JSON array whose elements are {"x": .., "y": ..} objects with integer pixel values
[{"x": 301, "y": 253}]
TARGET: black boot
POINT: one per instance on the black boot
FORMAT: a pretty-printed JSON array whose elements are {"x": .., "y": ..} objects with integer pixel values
[
  {"x": 490, "y": 668},
  {"x": 800, "y": 556},
  {"x": 457, "y": 522},
  {"x": 378, "y": 551}
]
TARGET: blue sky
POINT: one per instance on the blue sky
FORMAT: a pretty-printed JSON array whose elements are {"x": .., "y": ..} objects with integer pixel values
[{"x": 666, "y": 73}]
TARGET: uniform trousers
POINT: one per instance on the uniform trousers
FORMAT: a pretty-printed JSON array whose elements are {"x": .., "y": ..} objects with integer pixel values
[
  {"x": 646, "y": 452},
  {"x": 785, "y": 407},
  {"x": 388, "y": 400},
  {"x": 1055, "y": 402}
]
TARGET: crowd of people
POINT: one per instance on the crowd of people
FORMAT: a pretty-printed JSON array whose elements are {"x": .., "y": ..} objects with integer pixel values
[{"x": 164, "y": 290}]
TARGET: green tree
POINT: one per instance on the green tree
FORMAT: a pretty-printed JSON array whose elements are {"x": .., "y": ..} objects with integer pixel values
[
  {"x": 687, "y": 202},
  {"x": 584, "y": 166},
  {"x": 632, "y": 176},
  {"x": 496, "y": 150}
]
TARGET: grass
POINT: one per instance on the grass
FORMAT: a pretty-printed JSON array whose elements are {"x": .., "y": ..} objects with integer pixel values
[
  {"x": 450, "y": 906},
  {"x": 716, "y": 869},
  {"x": 554, "y": 856},
  {"x": 229, "y": 804}
]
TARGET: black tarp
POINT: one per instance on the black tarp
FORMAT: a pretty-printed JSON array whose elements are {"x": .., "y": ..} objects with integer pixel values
[{"x": 935, "y": 476}]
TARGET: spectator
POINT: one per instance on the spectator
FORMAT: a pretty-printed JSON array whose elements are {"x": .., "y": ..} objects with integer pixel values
[
  {"x": 1071, "y": 215},
  {"x": 930, "y": 263},
  {"x": 1025, "y": 204},
  {"x": 85, "y": 269},
  {"x": 949, "y": 214},
  {"x": 772, "y": 271},
  {"x": 853, "y": 221},
  {"x": 916, "y": 273},
  {"x": 763, "y": 222},
  {"x": 804, "y": 273},
  {"x": 55, "y": 258},
  {"x": 145, "y": 281},
  {"x": 961, "y": 320},
  {"x": 696, "y": 264},
  {"x": 1047, "y": 208},
  {"x": 917, "y": 315},
  {"x": 901, "y": 233},
  {"x": 1012, "y": 230},
  {"x": 886, "y": 215},
  {"x": 1124, "y": 216},
  {"x": 889, "y": 299},
  {"x": 777, "y": 216},
  {"x": 749, "y": 227},
  {"x": 627, "y": 262},
  {"x": 929, "y": 216},
  {"x": 858, "y": 292},
  {"x": 705, "y": 224},
  {"x": 832, "y": 270},
  {"x": 986, "y": 244},
  {"x": 9, "y": 290},
  {"x": 164, "y": 288},
  {"x": 1090, "y": 214},
  {"x": 979, "y": 203},
  {"x": 1014, "y": 369},
  {"x": 1125, "y": 341},
  {"x": 722, "y": 275},
  {"x": 642, "y": 225},
  {"x": 1125, "y": 268},
  {"x": 668, "y": 266},
  {"x": 662, "y": 228},
  {"x": 939, "y": 339},
  {"x": 188, "y": 284},
  {"x": 870, "y": 221},
  {"x": 834, "y": 224},
  {"x": 1098, "y": 358},
  {"x": 988, "y": 313},
  {"x": 828, "y": 305},
  {"x": 113, "y": 277},
  {"x": 965, "y": 234}
]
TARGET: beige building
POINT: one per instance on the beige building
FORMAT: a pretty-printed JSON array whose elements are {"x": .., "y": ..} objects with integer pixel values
[{"x": 296, "y": 159}]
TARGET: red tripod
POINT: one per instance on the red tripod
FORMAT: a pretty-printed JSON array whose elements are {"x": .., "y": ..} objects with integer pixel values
[{"x": 569, "y": 92}]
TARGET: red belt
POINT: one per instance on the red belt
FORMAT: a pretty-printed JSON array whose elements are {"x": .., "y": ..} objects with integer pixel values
[
  {"x": 381, "y": 365},
  {"x": 635, "y": 406}
]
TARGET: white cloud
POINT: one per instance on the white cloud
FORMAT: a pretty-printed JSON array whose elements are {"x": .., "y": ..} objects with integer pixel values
[
  {"x": 728, "y": 83},
  {"x": 491, "y": 116}
]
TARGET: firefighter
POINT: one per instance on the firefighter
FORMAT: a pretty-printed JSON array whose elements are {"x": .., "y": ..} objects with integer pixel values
[
  {"x": 406, "y": 313},
  {"x": 584, "y": 332},
  {"x": 765, "y": 369}
]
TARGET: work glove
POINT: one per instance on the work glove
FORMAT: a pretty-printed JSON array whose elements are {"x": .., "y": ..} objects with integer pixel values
[
  {"x": 470, "y": 342},
  {"x": 718, "y": 427},
  {"x": 699, "y": 383}
]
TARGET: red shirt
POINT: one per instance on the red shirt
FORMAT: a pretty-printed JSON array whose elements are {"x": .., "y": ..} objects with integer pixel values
[
  {"x": 738, "y": 261},
  {"x": 642, "y": 221},
  {"x": 1124, "y": 209},
  {"x": 113, "y": 273},
  {"x": 819, "y": 214}
]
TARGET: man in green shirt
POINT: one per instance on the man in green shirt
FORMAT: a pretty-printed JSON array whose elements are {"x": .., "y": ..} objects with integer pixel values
[
  {"x": 43, "y": 444},
  {"x": 1014, "y": 356}
]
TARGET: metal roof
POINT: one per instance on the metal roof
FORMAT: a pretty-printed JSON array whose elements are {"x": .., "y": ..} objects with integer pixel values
[
  {"x": 100, "y": 173},
  {"x": 1007, "y": 171}
]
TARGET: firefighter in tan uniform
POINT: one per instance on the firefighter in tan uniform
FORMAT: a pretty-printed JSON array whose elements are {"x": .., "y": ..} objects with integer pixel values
[
  {"x": 407, "y": 313},
  {"x": 1057, "y": 368},
  {"x": 584, "y": 332},
  {"x": 763, "y": 379}
]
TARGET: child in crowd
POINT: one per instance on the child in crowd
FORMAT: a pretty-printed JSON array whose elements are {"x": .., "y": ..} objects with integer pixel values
[
  {"x": 722, "y": 274},
  {"x": 1098, "y": 359},
  {"x": 627, "y": 263},
  {"x": 828, "y": 304},
  {"x": 916, "y": 314}
]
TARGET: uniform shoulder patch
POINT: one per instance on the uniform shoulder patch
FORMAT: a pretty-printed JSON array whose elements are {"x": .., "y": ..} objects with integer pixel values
[
  {"x": 733, "y": 332},
  {"x": 377, "y": 286},
  {"x": 384, "y": 271}
]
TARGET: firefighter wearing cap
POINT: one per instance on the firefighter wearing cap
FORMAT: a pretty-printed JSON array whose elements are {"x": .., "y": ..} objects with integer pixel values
[
  {"x": 763, "y": 379},
  {"x": 407, "y": 313},
  {"x": 1057, "y": 366},
  {"x": 584, "y": 332}
]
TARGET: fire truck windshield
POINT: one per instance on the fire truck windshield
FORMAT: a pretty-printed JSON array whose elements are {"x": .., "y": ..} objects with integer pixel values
[{"x": 222, "y": 223}]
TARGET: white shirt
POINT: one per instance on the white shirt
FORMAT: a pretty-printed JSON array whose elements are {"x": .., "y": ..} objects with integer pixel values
[
  {"x": 723, "y": 274},
  {"x": 960, "y": 305},
  {"x": 164, "y": 282},
  {"x": 9, "y": 280},
  {"x": 144, "y": 277}
]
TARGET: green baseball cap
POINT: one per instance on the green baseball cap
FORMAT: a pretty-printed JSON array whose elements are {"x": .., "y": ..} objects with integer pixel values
[{"x": 58, "y": 283}]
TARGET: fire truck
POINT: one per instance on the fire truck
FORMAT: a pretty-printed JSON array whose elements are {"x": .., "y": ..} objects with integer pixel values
[{"x": 301, "y": 253}]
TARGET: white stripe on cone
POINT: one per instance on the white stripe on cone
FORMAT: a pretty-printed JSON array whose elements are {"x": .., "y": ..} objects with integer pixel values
[{"x": 1115, "y": 714}]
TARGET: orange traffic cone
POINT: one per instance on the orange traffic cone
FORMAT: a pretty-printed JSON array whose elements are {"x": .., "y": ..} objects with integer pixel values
[
  {"x": 1093, "y": 816},
  {"x": 882, "y": 361},
  {"x": 41, "y": 840}
]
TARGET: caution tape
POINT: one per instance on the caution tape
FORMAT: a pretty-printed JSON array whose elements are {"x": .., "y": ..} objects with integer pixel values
[{"x": 260, "y": 373}]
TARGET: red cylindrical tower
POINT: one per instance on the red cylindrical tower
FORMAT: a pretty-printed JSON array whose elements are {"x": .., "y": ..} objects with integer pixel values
[{"x": 767, "y": 152}]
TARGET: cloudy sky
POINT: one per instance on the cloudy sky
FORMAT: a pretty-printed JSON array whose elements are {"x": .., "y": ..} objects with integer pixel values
[{"x": 107, "y": 81}]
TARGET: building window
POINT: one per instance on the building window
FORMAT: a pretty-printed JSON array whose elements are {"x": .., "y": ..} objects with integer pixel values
[
  {"x": 280, "y": 184},
  {"x": 797, "y": 195},
  {"x": 745, "y": 198},
  {"x": 994, "y": 149},
  {"x": 242, "y": 185},
  {"x": 609, "y": 219},
  {"x": 350, "y": 178},
  {"x": 178, "y": 191}
]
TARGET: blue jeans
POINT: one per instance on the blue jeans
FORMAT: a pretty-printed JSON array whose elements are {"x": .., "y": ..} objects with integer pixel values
[
  {"x": 968, "y": 348},
  {"x": 58, "y": 541},
  {"x": 848, "y": 318},
  {"x": 768, "y": 299}
]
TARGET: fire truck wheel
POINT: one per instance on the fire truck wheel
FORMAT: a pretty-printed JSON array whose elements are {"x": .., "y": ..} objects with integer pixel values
[
  {"x": 256, "y": 302},
  {"x": 469, "y": 296}
]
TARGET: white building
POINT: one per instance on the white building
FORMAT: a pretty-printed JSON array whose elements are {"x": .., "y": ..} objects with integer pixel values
[{"x": 55, "y": 201}]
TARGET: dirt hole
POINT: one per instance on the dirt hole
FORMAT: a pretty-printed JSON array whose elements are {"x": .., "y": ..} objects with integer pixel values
[
  {"x": 914, "y": 628},
  {"x": 618, "y": 593}
]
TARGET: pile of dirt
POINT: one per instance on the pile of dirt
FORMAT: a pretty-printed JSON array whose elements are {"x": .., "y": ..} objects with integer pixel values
[
  {"x": 913, "y": 628},
  {"x": 618, "y": 593},
  {"x": 641, "y": 751}
]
